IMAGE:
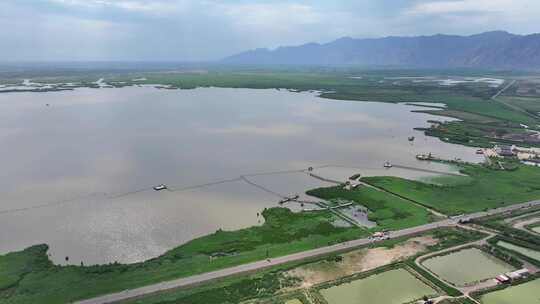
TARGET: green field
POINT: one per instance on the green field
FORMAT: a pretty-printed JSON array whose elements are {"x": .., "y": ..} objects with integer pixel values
[
  {"x": 391, "y": 287},
  {"x": 388, "y": 211},
  {"x": 529, "y": 104},
  {"x": 29, "y": 277},
  {"x": 466, "y": 266},
  {"x": 523, "y": 293},
  {"x": 485, "y": 189}
]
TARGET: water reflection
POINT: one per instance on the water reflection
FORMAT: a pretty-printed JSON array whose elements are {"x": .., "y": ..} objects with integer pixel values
[{"x": 81, "y": 154}]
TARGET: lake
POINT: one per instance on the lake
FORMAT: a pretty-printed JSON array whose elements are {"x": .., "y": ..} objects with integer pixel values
[{"x": 78, "y": 166}]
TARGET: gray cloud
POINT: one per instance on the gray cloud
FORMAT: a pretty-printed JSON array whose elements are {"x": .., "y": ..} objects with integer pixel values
[{"x": 203, "y": 30}]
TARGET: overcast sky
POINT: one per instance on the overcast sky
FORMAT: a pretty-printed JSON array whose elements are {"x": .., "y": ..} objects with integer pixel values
[{"x": 185, "y": 30}]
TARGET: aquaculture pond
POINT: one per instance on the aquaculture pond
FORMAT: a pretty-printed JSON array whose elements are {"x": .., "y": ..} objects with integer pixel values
[
  {"x": 533, "y": 254},
  {"x": 391, "y": 287},
  {"x": 466, "y": 266},
  {"x": 528, "y": 293}
]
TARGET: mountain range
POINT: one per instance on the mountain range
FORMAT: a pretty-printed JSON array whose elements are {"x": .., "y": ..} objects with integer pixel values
[{"x": 492, "y": 50}]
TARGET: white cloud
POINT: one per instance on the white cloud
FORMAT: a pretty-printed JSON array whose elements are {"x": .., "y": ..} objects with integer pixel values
[
  {"x": 212, "y": 29},
  {"x": 153, "y": 7},
  {"x": 505, "y": 7},
  {"x": 470, "y": 16},
  {"x": 271, "y": 15}
]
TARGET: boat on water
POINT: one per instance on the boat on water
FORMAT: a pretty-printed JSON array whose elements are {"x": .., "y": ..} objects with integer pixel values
[
  {"x": 411, "y": 138},
  {"x": 480, "y": 151},
  {"x": 387, "y": 165},
  {"x": 424, "y": 156},
  {"x": 160, "y": 187}
]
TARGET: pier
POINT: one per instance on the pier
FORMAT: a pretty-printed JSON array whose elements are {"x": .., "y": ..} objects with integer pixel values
[{"x": 328, "y": 180}]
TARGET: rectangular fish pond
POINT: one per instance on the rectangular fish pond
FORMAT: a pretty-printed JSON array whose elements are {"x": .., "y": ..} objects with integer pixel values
[
  {"x": 527, "y": 293},
  {"x": 396, "y": 286},
  {"x": 466, "y": 266},
  {"x": 533, "y": 254}
]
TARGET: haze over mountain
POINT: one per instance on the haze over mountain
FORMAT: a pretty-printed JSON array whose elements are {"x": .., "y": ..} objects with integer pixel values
[{"x": 497, "y": 49}]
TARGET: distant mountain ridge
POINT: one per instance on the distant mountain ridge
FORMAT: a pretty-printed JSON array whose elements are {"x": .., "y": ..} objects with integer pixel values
[{"x": 497, "y": 49}]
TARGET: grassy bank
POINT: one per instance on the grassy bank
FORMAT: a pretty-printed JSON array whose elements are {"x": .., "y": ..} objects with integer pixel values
[
  {"x": 485, "y": 189},
  {"x": 28, "y": 276}
]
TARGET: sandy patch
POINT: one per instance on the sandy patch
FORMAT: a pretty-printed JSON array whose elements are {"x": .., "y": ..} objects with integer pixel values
[{"x": 359, "y": 261}]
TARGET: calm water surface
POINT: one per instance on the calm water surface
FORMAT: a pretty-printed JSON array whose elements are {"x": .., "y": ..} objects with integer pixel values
[
  {"x": 77, "y": 174},
  {"x": 368, "y": 290},
  {"x": 533, "y": 254},
  {"x": 467, "y": 266},
  {"x": 523, "y": 293}
]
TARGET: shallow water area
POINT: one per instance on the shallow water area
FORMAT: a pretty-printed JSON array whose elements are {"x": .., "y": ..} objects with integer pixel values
[{"x": 79, "y": 166}]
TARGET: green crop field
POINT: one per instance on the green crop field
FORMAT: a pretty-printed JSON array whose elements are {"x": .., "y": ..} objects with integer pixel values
[{"x": 486, "y": 188}]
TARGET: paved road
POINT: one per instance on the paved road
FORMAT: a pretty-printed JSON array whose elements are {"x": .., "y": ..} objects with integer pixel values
[
  {"x": 503, "y": 89},
  {"x": 205, "y": 277}
]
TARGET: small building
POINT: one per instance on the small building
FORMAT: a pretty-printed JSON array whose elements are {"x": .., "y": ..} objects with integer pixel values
[
  {"x": 531, "y": 162},
  {"x": 378, "y": 234},
  {"x": 424, "y": 156},
  {"x": 518, "y": 274},
  {"x": 525, "y": 155},
  {"x": 502, "y": 279},
  {"x": 505, "y": 151}
]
